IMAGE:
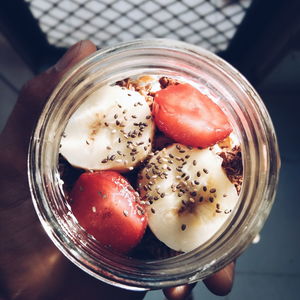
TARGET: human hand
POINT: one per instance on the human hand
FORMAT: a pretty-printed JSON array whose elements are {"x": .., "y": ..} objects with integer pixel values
[{"x": 31, "y": 267}]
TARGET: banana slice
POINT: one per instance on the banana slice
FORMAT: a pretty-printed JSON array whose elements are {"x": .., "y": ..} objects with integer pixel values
[
  {"x": 189, "y": 195},
  {"x": 112, "y": 129}
]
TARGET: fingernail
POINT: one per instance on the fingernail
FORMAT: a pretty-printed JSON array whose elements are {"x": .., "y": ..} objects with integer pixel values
[{"x": 68, "y": 57}]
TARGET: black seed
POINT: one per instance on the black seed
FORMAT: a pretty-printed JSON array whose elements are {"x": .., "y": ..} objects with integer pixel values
[
  {"x": 204, "y": 188},
  {"x": 211, "y": 199},
  {"x": 183, "y": 227},
  {"x": 106, "y": 124},
  {"x": 196, "y": 182},
  {"x": 201, "y": 199},
  {"x": 187, "y": 177},
  {"x": 171, "y": 155},
  {"x": 187, "y": 156},
  {"x": 205, "y": 171},
  {"x": 194, "y": 162},
  {"x": 104, "y": 161},
  {"x": 152, "y": 210},
  {"x": 193, "y": 194},
  {"x": 213, "y": 190},
  {"x": 198, "y": 174},
  {"x": 125, "y": 212},
  {"x": 162, "y": 195},
  {"x": 115, "y": 116}
]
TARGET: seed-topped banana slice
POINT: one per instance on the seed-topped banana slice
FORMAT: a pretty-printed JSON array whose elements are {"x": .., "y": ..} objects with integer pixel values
[
  {"x": 112, "y": 129},
  {"x": 189, "y": 194}
]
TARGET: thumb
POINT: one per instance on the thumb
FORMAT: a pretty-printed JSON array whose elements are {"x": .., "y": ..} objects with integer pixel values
[
  {"x": 32, "y": 98},
  {"x": 37, "y": 90}
]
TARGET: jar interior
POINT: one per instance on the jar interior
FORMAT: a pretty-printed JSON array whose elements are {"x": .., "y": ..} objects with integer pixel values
[{"x": 210, "y": 75}]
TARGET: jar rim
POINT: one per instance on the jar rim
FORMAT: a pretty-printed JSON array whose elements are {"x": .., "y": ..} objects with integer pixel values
[{"x": 266, "y": 161}]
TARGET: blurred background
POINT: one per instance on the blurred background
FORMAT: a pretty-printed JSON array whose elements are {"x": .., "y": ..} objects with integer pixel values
[{"x": 260, "y": 38}]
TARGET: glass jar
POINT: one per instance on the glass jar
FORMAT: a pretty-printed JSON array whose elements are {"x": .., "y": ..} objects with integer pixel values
[{"x": 233, "y": 94}]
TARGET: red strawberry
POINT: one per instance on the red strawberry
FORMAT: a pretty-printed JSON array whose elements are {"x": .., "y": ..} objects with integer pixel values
[
  {"x": 189, "y": 117},
  {"x": 107, "y": 207}
]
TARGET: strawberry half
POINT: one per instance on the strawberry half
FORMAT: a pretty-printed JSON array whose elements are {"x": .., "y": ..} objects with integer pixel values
[{"x": 108, "y": 208}]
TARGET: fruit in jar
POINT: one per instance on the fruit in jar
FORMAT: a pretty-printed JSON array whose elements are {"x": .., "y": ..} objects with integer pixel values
[
  {"x": 190, "y": 195},
  {"x": 111, "y": 130},
  {"x": 184, "y": 191},
  {"x": 189, "y": 117},
  {"x": 107, "y": 207}
]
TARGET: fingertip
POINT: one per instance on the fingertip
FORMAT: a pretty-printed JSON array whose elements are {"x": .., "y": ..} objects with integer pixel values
[
  {"x": 75, "y": 54},
  {"x": 87, "y": 47},
  {"x": 179, "y": 292},
  {"x": 37, "y": 90},
  {"x": 221, "y": 283}
]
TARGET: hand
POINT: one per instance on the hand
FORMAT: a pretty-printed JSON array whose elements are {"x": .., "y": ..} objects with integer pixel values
[{"x": 31, "y": 267}]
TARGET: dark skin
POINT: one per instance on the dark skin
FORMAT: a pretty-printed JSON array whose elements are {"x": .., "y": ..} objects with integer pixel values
[{"x": 31, "y": 267}]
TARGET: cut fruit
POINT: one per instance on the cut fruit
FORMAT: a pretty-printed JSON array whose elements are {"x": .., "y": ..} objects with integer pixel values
[
  {"x": 108, "y": 208},
  {"x": 190, "y": 195},
  {"x": 189, "y": 117},
  {"x": 112, "y": 129}
]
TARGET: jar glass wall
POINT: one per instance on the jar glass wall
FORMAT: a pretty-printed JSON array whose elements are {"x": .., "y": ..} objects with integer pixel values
[{"x": 246, "y": 112}]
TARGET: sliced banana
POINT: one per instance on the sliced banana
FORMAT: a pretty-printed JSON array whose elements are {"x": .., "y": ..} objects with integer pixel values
[
  {"x": 189, "y": 195},
  {"x": 112, "y": 129}
]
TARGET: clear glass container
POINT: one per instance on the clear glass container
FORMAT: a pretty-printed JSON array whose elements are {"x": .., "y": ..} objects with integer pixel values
[{"x": 248, "y": 116}]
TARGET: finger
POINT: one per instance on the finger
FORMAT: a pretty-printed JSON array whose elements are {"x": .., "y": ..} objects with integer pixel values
[
  {"x": 179, "y": 292},
  {"x": 221, "y": 282},
  {"x": 32, "y": 98},
  {"x": 39, "y": 88}
]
